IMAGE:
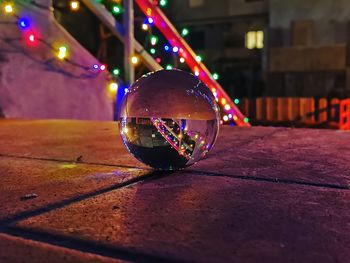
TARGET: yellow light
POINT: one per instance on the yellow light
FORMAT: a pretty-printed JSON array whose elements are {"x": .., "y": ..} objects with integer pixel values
[
  {"x": 227, "y": 107},
  {"x": 144, "y": 27},
  {"x": 8, "y": 8},
  {"x": 259, "y": 39},
  {"x": 62, "y": 52},
  {"x": 254, "y": 39},
  {"x": 250, "y": 40},
  {"x": 235, "y": 117},
  {"x": 182, "y": 60},
  {"x": 213, "y": 90},
  {"x": 223, "y": 101},
  {"x": 74, "y": 5},
  {"x": 134, "y": 60},
  {"x": 225, "y": 118},
  {"x": 113, "y": 87}
]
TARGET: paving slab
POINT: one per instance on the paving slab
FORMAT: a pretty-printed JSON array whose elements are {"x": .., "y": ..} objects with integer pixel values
[
  {"x": 19, "y": 250},
  {"x": 92, "y": 141},
  {"x": 28, "y": 184},
  {"x": 95, "y": 142},
  {"x": 302, "y": 155},
  {"x": 188, "y": 217}
]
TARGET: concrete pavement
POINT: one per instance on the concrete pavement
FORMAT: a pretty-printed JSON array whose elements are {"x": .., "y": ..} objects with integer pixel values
[{"x": 261, "y": 195}]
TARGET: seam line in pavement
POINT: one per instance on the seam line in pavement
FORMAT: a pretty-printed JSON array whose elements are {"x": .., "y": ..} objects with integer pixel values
[
  {"x": 73, "y": 161},
  {"x": 31, "y": 213},
  {"x": 192, "y": 171},
  {"x": 269, "y": 180},
  {"x": 86, "y": 246}
]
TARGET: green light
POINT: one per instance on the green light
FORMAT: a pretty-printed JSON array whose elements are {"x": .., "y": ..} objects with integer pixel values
[
  {"x": 246, "y": 119},
  {"x": 236, "y": 101},
  {"x": 154, "y": 40},
  {"x": 216, "y": 76},
  {"x": 116, "y": 72},
  {"x": 163, "y": 2},
  {"x": 198, "y": 58},
  {"x": 117, "y": 9},
  {"x": 184, "y": 32},
  {"x": 152, "y": 50},
  {"x": 169, "y": 67}
]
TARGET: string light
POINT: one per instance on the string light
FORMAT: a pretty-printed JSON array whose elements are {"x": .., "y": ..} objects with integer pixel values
[
  {"x": 23, "y": 23},
  {"x": 246, "y": 120},
  {"x": 227, "y": 107},
  {"x": 144, "y": 27},
  {"x": 134, "y": 60},
  {"x": 175, "y": 49},
  {"x": 216, "y": 76},
  {"x": 163, "y": 3},
  {"x": 152, "y": 51},
  {"x": 198, "y": 58},
  {"x": 223, "y": 101},
  {"x": 31, "y": 38},
  {"x": 154, "y": 40},
  {"x": 182, "y": 60},
  {"x": 166, "y": 48},
  {"x": 62, "y": 52},
  {"x": 116, "y": 72},
  {"x": 184, "y": 32},
  {"x": 74, "y": 5},
  {"x": 150, "y": 20},
  {"x": 169, "y": 67},
  {"x": 113, "y": 87},
  {"x": 117, "y": 9},
  {"x": 236, "y": 101},
  {"x": 8, "y": 8},
  {"x": 225, "y": 118}
]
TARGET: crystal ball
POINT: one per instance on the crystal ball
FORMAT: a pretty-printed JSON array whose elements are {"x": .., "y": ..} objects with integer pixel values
[{"x": 169, "y": 119}]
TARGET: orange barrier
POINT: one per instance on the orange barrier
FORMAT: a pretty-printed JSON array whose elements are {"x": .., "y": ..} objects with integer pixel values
[
  {"x": 333, "y": 113},
  {"x": 344, "y": 114}
]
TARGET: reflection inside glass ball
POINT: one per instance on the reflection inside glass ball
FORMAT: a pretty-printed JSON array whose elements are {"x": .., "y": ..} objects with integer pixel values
[{"x": 169, "y": 120}]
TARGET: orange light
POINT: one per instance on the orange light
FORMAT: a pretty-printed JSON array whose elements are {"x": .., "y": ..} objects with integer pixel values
[
  {"x": 134, "y": 60},
  {"x": 74, "y": 5}
]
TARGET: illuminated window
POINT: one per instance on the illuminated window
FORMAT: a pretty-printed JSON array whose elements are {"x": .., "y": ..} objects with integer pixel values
[{"x": 254, "y": 39}]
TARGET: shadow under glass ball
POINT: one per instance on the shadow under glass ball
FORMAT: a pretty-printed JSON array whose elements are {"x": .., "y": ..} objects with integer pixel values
[{"x": 169, "y": 119}]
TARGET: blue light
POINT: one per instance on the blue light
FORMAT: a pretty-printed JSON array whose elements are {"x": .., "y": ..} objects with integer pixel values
[
  {"x": 166, "y": 48},
  {"x": 95, "y": 66},
  {"x": 23, "y": 23},
  {"x": 150, "y": 20}
]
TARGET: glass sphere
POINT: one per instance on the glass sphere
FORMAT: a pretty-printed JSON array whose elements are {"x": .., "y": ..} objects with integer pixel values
[{"x": 169, "y": 119}]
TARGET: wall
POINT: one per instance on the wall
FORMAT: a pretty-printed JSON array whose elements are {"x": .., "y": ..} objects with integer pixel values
[{"x": 35, "y": 84}]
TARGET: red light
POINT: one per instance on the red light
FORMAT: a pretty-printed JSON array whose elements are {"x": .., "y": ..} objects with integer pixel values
[
  {"x": 158, "y": 60},
  {"x": 103, "y": 67},
  {"x": 31, "y": 38}
]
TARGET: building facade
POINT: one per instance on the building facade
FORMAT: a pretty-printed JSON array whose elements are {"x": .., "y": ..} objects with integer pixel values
[{"x": 271, "y": 47}]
